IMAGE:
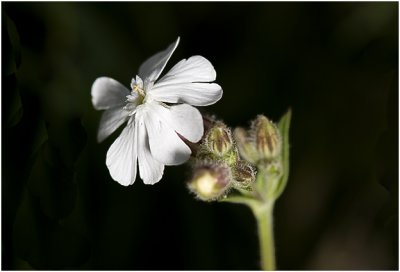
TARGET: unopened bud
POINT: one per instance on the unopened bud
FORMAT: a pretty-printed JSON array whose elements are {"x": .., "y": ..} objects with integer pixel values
[
  {"x": 219, "y": 139},
  {"x": 210, "y": 182},
  {"x": 267, "y": 138},
  {"x": 244, "y": 175},
  {"x": 246, "y": 146}
]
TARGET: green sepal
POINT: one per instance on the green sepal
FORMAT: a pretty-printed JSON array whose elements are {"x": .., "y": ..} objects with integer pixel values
[{"x": 284, "y": 126}]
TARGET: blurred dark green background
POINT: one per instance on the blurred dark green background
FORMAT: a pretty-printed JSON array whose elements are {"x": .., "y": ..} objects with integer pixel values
[{"x": 334, "y": 64}]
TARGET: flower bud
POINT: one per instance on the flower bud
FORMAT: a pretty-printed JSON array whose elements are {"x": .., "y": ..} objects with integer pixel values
[
  {"x": 210, "y": 182},
  {"x": 267, "y": 138},
  {"x": 245, "y": 145},
  {"x": 244, "y": 175},
  {"x": 219, "y": 139}
]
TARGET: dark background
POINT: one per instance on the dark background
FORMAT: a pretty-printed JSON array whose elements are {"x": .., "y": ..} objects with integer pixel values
[{"x": 334, "y": 64}]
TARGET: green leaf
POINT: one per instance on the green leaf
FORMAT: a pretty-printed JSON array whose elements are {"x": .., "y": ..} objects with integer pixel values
[{"x": 284, "y": 125}]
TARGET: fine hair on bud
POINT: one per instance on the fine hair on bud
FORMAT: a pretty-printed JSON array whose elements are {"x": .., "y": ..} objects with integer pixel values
[
  {"x": 244, "y": 175},
  {"x": 219, "y": 140},
  {"x": 210, "y": 180},
  {"x": 246, "y": 145},
  {"x": 266, "y": 138},
  {"x": 208, "y": 122}
]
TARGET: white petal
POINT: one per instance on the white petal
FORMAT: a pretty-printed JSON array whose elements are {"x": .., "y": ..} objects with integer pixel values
[
  {"x": 196, "y": 94},
  {"x": 150, "y": 170},
  {"x": 122, "y": 156},
  {"x": 194, "y": 69},
  {"x": 185, "y": 120},
  {"x": 108, "y": 93},
  {"x": 152, "y": 67},
  {"x": 165, "y": 144},
  {"x": 110, "y": 120}
]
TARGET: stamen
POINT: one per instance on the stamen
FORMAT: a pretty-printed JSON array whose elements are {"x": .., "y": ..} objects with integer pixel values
[{"x": 137, "y": 89}]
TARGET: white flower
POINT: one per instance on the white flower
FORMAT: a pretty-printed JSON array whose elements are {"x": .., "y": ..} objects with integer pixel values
[{"x": 151, "y": 134}]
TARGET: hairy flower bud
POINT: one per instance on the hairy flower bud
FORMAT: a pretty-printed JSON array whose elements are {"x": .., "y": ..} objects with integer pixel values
[
  {"x": 245, "y": 145},
  {"x": 244, "y": 175},
  {"x": 267, "y": 138},
  {"x": 210, "y": 182},
  {"x": 219, "y": 139}
]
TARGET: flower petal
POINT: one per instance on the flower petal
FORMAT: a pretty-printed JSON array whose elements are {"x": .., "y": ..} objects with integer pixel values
[
  {"x": 152, "y": 67},
  {"x": 196, "y": 94},
  {"x": 111, "y": 119},
  {"x": 185, "y": 120},
  {"x": 165, "y": 144},
  {"x": 151, "y": 171},
  {"x": 194, "y": 69},
  {"x": 122, "y": 156},
  {"x": 108, "y": 93}
]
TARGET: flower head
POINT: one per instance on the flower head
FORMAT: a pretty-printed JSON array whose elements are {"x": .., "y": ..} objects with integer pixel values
[{"x": 158, "y": 113}]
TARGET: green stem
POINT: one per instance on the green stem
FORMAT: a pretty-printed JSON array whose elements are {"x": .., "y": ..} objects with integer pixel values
[{"x": 264, "y": 219}]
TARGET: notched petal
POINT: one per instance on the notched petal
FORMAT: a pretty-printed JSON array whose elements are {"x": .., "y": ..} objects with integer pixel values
[
  {"x": 122, "y": 157},
  {"x": 194, "y": 69},
  {"x": 110, "y": 121},
  {"x": 196, "y": 94},
  {"x": 108, "y": 93},
  {"x": 165, "y": 145},
  {"x": 185, "y": 120},
  {"x": 151, "y": 170},
  {"x": 152, "y": 67}
]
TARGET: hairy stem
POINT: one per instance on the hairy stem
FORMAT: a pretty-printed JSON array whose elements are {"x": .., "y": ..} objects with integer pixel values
[{"x": 264, "y": 219}]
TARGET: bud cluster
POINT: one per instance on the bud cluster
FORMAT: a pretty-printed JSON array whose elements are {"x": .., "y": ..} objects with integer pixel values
[{"x": 217, "y": 166}]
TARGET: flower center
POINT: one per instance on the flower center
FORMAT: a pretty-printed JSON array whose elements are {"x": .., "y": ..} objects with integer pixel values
[
  {"x": 137, "y": 96},
  {"x": 139, "y": 90}
]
